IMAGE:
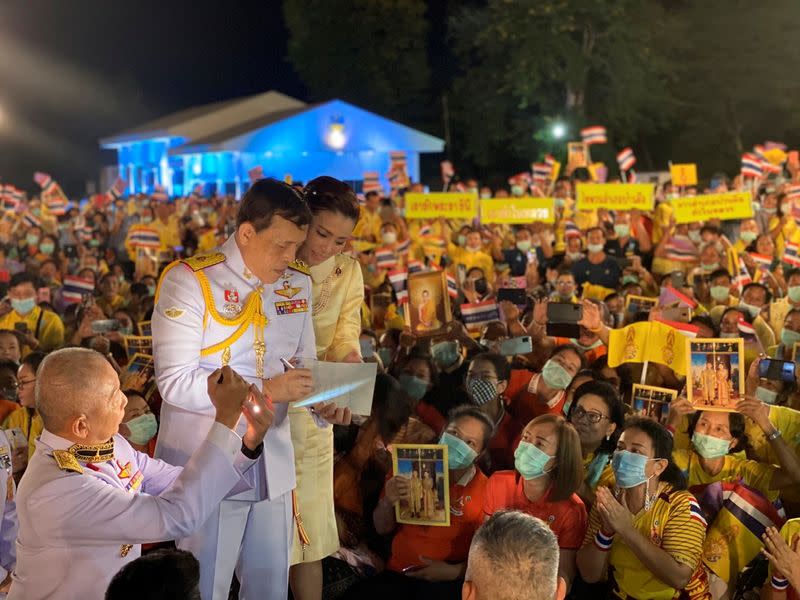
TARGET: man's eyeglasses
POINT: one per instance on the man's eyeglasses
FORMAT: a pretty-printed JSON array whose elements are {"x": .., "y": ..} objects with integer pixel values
[{"x": 579, "y": 414}]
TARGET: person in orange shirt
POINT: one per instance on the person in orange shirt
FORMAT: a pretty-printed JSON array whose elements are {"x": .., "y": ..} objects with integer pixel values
[
  {"x": 532, "y": 394},
  {"x": 429, "y": 562},
  {"x": 548, "y": 472}
]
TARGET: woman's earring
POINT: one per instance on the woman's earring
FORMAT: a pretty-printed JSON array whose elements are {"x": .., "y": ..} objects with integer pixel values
[{"x": 608, "y": 437}]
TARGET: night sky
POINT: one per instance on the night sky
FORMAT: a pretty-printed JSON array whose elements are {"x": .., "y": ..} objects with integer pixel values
[{"x": 72, "y": 71}]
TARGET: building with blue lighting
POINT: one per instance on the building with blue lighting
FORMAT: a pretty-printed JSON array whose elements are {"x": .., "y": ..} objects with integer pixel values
[{"x": 217, "y": 144}]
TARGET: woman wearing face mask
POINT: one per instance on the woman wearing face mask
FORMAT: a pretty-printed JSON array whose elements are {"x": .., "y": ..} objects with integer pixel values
[
  {"x": 26, "y": 417},
  {"x": 748, "y": 232},
  {"x": 647, "y": 534},
  {"x": 547, "y": 473},
  {"x": 789, "y": 336},
  {"x": 429, "y": 562},
  {"x": 139, "y": 425},
  {"x": 486, "y": 383},
  {"x": 471, "y": 255},
  {"x": 418, "y": 375},
  {"x": 598, "y": 415},
  {"x": 48, "y": 248},
  {"x": 337, "y": 294}
]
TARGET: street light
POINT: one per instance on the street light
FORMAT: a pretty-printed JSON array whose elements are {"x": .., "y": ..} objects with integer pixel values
[{"x": 559, "y": 131}]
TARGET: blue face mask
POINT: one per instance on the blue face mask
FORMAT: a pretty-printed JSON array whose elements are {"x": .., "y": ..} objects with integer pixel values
[
  {"x": 766, "y": 396},
  {"x": 414, "y": 386},
  {"x": 530, "y": 461},
  {"x": 445, "y": 354},
  {"x": 629, "y": 468},
  {"x": 23, "y": 307},
  {"x": 459, "y": 454},
  {"x": 789, "y": 338},
  {"x": 709, "y": 446},
  {"x": 367, "y": 348},
  {"x": 385, "y": 355},
  {"x": 143, "y": 428},
  {"x": 555, "y": 376}
]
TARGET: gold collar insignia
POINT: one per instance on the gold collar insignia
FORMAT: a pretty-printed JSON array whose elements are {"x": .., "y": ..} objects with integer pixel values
[{"x": 93, "y": 454}]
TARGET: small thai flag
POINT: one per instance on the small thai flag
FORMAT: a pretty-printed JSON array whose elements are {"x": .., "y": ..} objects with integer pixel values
[
  {"x": 571, "y": 230},
  {"x": 523, "y": 179},
  {"x": 751, "y": 165},
  {"x": 256, "y": 173},
  {"x": 386, "y": 258},
  {"x": 681, "y": 250},
  {"x": 402, "y": 247},
  {"x": 118, "y": 189},
  {"x": 593, "y": 135},
  {"x": 792, "y": 192},
  {"x": 669, "y": 295},
  {"x": 696, "y": 513},
  {"x": 743, "y": 277},
  {"x": 745, "y": 327},
  {"x": 541, "y": 171},
  {"x": 75, "y": 288},
  {"x": 425, "y": 230},
  {"x": 144, "y": 238},
  {"x": 43, "y": 179},
  {"x": 626, "y": 159},
  {"x": 477, "y": 314},
  {"x": 768, "y": 167},
  {"x": 17, "y": 194},
  {"x": 402, "y": 297},
  {"x": 30, "y": 220},
  {"x": 398, "y": 279},
  {"x": 759, "y": 151},
  {"x": 764, "y": 262},
  {"x": 791, "y": 254},
  {"x": 371, "y": 182},
  {"x": 550, "y": 161},
  {"x": 55, "y": 200},
  {"x": 85, "y": 233},
  {"x": 415, "y": 266},
  {"x": 452, "y": 286},
  {"x": 686, "y": 329}
]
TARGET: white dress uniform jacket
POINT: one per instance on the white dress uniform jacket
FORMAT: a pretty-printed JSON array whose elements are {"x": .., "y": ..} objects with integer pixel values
[{"x": 81, "y": 523}]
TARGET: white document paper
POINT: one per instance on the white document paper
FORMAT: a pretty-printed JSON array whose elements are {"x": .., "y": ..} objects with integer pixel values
[{"x": 348, "y": 384}]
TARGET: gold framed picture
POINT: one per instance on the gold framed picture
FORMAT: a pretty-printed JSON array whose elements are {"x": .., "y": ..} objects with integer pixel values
[
  {"x": 794, "y": 351},
  {"x": 138, "y": 344},
  {"x": 145, "y": 329},
  {"x": 637, "y": 304},
  {"x": 138, "y": 373},
  {"x": 651, "y": 401},
  {"x": 715, "y": 373},
  {"x": 428, "y": 309},
  {"x": 425, "y": 467}
]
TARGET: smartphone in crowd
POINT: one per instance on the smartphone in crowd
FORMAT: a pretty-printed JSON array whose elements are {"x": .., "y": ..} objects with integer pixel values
[
  {"x": 562, "y": 319},
  {"x": 680, "y": 314},
  {"x": 776, "y": 370},
  {"x": 517, "y": 345},
  {"x": 105, "y": 325},
  {"x": 21, "y": 327},
  {"x": 513, "y": 295}
]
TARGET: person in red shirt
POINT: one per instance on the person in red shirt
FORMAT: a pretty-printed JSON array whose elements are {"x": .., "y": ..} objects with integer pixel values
[
  {"x": 430, "y": 561},
  {"x": 548, "y": 471},
  {"x": 486, "y": 384},
  {"x": 533, "y": 394}
]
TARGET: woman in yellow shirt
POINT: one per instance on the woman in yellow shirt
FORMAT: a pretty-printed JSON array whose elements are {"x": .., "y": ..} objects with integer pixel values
[
  {"x": 646, "y": 535},
  {"x": 26, "y": 418},
  {"x": 337, "y": 295}
]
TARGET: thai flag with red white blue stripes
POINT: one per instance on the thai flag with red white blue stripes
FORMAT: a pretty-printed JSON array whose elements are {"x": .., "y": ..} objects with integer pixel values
[
  {"x": 75, "y": 288},
  {"x": 118, "y": 188},
  {"x": 696, "y": 513},
  {"x": 791, "y": 254},
  {"x": 476, "y": 315},
  {"x": 626, "y": 159},
  {"x": 144, "y": 238},
  {"x": 415, "y": 266},
  {"x": 386, "y": 258},
  {"x": 30, "y": 220},
  {"x": 751, "y": 165},
  {"x": 43, "y": 179},
  {"x": 763, "y": 262},
  {"x": 398, "y": 279},
  {"x": 594, "y": 135},
  {"x": 745, "y": 327},
  {"x": 541, "y": 172},
  {"x": 452, "y": 286},
  {"x": 402, "y": 247},
  {"x": 371, "y": 182},
  {"x": 743, "y": 277}
]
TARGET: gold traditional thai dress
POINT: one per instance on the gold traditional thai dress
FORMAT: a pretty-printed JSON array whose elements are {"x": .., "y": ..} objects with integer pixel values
[{"x": 337, "y": 295}]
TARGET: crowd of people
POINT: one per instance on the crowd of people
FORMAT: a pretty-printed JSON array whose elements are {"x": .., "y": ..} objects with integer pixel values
[{"x": 226, "y": 297}]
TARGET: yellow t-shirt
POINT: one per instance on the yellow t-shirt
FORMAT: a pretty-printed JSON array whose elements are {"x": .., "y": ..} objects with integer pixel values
[
  {"x": 49, "y": 331},
  {"x": 789, "y": 531},
  {"x": 670, "y": 525},
  {"x": 753, "y": 473},
  {"x": 168, "y": 233},
  {"x": 31, "y": 428},
  {"x": 461, "y": 256}
]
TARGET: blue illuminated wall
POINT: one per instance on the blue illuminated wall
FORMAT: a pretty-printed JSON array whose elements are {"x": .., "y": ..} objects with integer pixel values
[{"x": 334, "y": 138}]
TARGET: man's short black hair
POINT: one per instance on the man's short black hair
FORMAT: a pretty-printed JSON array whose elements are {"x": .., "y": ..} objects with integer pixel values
[
  {"x": 269, "y": 197},
  {"x": 160, "y": 575},
  {"x": 20, "y": 278}
]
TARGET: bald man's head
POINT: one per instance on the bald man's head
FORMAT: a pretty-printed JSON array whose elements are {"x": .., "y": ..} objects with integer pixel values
[
  {"x": 513, "y": 556},
  {"x": 73, "y": 382}
]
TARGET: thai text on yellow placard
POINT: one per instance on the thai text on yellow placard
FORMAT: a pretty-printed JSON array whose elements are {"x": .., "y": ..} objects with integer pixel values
[
  {"x": 517, "y": 210},
  {"x": 683, "y": 174},
  {"x": 615, "y": 196},
  {"x": 731, "y": 205},
  {"x": 458, "y": 205}
]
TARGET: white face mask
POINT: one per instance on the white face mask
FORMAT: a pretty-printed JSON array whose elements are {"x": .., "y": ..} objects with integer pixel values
[{"x": 389, "y": 237}]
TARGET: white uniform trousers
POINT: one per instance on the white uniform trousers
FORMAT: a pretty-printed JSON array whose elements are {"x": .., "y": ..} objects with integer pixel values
[{"x": 254, "y": 539}]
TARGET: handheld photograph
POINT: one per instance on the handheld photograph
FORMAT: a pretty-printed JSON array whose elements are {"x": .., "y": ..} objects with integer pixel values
[
  {"x": 715, "y": 373},
  {"x": 428, "y": 309},
  {"x": 425, "y": 467},
  {"x": 651, "y": 401}
]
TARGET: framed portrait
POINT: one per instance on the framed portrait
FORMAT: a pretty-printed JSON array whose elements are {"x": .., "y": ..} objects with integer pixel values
[
  {"x": 138, "y": 373},
  {"x": 637, "y": 304},
  {"x": 428, "y": 309},
  {"x": 577, "y": 155},
  {"x": 138, "y": 344},
  {"x": 425, "y": 467},
  {"x": 651, "y": 401},
  {"x": 145, "y": 329},
  {"x": 715, "y": 373},
  {"x": 795, "y": 356},
  {"x": 378, "y": 303}
]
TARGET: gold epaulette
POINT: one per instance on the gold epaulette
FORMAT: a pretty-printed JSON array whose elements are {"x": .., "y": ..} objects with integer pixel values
[
  {"x": 299, "y": 265},
  {"x": 66, "y": 461},
  {"x": 203, "y": 261}
]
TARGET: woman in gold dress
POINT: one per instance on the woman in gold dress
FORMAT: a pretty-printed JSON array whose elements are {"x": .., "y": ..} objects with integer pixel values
[{"x": 337, "y": 296}]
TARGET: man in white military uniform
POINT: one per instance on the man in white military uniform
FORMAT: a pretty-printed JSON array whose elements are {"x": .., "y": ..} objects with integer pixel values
[
  {"x": 247, "y": 305},
  {"x": 88, "y": 499}
]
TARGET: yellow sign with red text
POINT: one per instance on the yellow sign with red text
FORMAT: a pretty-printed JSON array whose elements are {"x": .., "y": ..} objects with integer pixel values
[
  {"x": 731, "y": 205},
  {"x": 683, "y": 174},
  {"x": 517, "y": 210},
  {"x": 456, "y": 205},
  {"x": 615, "y": 196}
]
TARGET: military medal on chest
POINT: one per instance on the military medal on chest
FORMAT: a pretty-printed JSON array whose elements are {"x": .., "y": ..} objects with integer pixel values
[{"x": 232, "y": 306}]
